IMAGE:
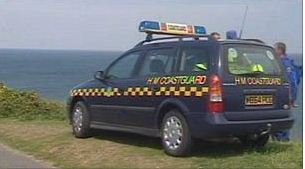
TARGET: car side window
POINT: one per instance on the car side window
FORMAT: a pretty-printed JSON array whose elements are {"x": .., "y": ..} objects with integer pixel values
[
  {"x": 123, "y": 68},
  {"x": 194, "y": 59},
  {"x": 157, "y": 62}
]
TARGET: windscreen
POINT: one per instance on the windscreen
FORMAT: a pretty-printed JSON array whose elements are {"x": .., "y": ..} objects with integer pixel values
[{"x": 251, "y": 59}]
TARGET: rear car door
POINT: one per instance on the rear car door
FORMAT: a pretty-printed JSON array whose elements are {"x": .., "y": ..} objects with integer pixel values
[
  {"x": 195, "y": 67},
  {"x": 139, "y": 100},
  {"x": 255, "y": 86},
  {"x": 187, "y": 84}
]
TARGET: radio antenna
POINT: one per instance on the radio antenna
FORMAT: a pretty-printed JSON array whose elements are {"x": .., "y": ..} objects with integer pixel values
[{"x": 243, "y": 22}]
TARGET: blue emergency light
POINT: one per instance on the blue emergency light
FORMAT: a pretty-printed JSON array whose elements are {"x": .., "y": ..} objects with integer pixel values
[
  {"x": 232, "y": 34},
  {"x": 154, "y": 27}
]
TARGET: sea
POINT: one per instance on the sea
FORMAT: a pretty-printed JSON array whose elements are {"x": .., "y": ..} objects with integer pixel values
[{"x": 53, "y": 73}]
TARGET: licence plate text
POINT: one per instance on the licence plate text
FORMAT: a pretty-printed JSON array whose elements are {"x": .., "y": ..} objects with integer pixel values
[{"x": 255, "y": 100}]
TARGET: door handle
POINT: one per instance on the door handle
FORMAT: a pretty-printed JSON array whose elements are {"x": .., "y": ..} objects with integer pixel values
[
  {"x": 155, "y": 89},
  {"x": 121, "y": 90}
]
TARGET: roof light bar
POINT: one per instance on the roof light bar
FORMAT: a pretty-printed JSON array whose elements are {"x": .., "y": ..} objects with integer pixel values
[{"x": 153, "y": 27}]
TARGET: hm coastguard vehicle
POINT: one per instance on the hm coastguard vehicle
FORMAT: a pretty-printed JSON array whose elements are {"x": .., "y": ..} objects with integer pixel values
[{"x": 186, "y": 86}]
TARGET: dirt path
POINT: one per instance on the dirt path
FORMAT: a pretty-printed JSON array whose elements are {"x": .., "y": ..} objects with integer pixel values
[{"x": 10, "y": 158}]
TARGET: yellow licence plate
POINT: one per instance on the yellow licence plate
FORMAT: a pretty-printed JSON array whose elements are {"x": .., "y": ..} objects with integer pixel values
[{"x": 255, "y": 100}]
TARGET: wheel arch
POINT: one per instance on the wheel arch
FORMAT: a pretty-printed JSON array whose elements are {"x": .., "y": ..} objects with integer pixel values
[{"x": 168, "y": 105}]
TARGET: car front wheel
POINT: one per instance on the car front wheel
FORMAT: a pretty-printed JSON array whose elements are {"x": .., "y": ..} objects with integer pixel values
[{"x": 80, "y": 121}]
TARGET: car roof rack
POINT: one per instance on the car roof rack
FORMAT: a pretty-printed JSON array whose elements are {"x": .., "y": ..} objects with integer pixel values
[
  {"x": 150, "y": 39},
  {"x": 255, "y": 40}
]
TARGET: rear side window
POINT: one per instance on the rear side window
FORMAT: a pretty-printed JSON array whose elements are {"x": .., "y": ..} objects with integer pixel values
[
  {"x": 246, "y": 59},
  {"x": 194, "y": 59},
  {"x": 157, "y": 62}
]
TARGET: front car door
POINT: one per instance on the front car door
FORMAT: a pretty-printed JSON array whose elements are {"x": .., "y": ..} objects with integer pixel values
[{"x": 110, "y": 95}]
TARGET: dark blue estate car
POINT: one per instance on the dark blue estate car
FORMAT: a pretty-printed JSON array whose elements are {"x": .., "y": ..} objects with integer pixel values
[{"x": 185, "y": 89}]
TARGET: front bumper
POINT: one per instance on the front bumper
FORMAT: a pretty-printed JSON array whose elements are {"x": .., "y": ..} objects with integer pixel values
[{"x": 213, "y": 125}]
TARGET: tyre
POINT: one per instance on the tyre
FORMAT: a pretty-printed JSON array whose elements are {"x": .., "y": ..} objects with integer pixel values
[
  {"x": 80, "y": 121},
  {"x": 254, "y": 141},
  {"x": 175, "y": 134}
]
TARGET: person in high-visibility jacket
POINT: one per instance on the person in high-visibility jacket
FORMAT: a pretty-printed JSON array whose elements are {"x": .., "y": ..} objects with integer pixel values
[{"x": 257, "y": 68}]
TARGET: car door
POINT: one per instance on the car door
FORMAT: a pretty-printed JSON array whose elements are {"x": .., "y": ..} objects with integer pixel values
[
  {"x": 196, "y": 64},
  {"x": 139, "y": 104},
  {"x": 107, "y": 104}
]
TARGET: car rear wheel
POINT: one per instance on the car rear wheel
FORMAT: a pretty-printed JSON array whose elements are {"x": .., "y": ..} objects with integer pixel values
[
  {"x": 254, "y": 140},
  {"x": 175, "y": 133},
  {"x": 80, "y": 121}
]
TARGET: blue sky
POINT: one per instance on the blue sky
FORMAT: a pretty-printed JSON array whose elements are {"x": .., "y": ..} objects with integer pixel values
[{"x": 112, "y": 25}]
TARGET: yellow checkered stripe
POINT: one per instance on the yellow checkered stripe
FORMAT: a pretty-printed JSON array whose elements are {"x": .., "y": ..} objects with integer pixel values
[
  {"x": 138, "y": 91},
  {"x": 182, "y": 91},
  {"x": 143, "y": 91},
  {"x": 96, "y": 92}
]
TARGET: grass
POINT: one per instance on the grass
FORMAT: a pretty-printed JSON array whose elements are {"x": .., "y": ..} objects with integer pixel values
[
  {"x": 53, "y": 141},
  {"x": 38, "y": 127}
]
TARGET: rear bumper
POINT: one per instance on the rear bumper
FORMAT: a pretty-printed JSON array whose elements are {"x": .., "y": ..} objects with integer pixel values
[{"x": 209, "y": 125}]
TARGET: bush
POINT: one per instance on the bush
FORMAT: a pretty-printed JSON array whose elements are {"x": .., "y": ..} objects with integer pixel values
[{"x": 26, "y": 105}]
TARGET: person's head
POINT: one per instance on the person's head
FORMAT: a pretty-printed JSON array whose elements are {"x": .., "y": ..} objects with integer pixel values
[
  {"x": 280, "y": 49},
  {"x": 215, "y": 36}
]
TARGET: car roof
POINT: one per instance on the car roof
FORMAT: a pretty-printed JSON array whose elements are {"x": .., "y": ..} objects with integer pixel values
[{"x": 198, "y": 42}]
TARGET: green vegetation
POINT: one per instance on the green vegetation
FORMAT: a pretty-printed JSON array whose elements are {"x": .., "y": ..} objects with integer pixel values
[
  {"x": 24, "y": 105},
  {"x": 54, "y": 142},
  {"x": 37, "y": 126}
]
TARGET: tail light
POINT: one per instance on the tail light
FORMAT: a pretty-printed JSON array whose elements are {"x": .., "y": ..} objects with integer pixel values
[{"x": 215, "y": 103}]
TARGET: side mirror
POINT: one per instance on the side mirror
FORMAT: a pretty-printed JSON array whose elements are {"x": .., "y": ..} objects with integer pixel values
[{"x": 99, "y": 75}]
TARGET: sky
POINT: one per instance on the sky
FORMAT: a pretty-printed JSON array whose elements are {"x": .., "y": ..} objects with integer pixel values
[{"x": 113, "y": 25}]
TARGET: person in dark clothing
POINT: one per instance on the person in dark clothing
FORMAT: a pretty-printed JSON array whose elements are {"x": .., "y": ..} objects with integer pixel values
[
  {"x": 294, "y": 74},
  {"x": 215, "y": 36}
]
